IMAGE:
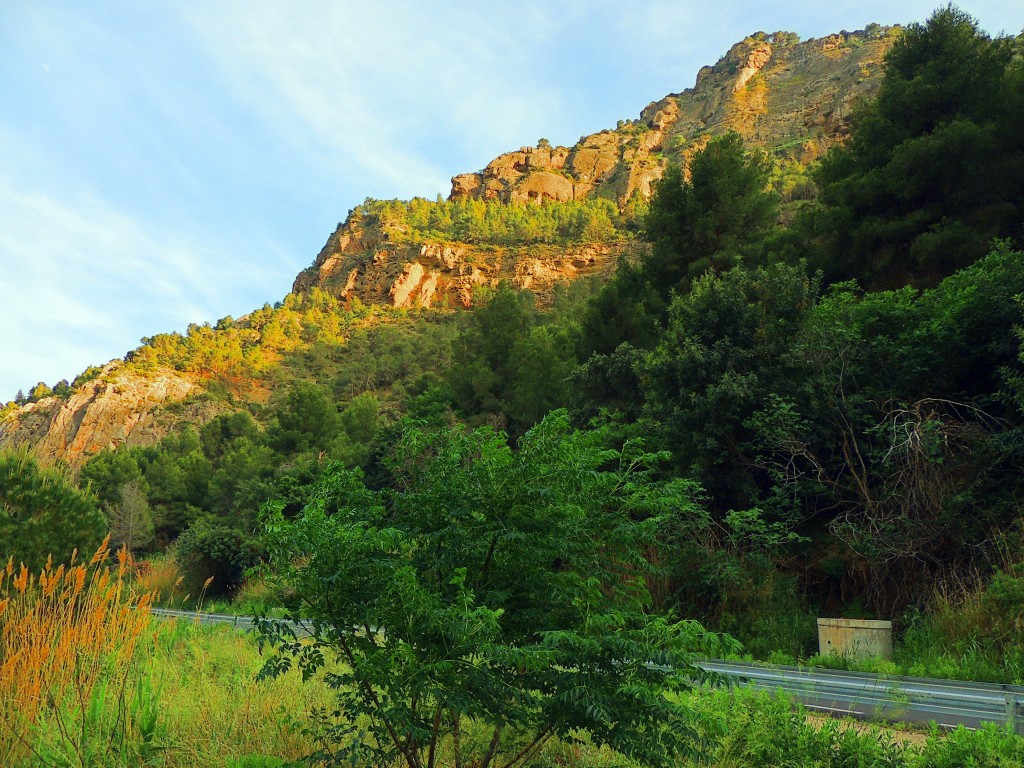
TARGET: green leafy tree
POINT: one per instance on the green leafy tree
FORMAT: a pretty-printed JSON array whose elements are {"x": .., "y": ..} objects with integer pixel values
[
  {"x": 109, "y": 471},
  {"x": 541, "y": 361},
  {"x": 238, "y": 482},
  {"x": 610, "y": 383},
  {"x": 714, "y": 220},
  {"x": 39, "y": 391},
  {"x": 360, "y": 422},
  {"x": 214, "y": 558},
  {"x": 724, "y": 351},
  {"x": 43, "y": 513},
  {"x": 178, "y": 475},
  {"x": 62, "y": 389},
  {"x": 510, "y": 364},
  {"x": 491, "y": 221},
  {"x": 488, "y": 601},
  {"x": 305, "y": 419},
  {"x": 219, "y": 434},
  {"x": 359, "y": 418},
  {"x": 626, "y": 311},
  {"x": 482, "y": 372}
]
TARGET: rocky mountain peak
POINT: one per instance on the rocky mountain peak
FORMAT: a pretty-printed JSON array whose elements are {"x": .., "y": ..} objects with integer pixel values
[{"x": 791, "y": 98}]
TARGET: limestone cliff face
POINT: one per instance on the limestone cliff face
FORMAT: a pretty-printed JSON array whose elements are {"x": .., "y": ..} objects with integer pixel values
[
  {"x": 118, "y": 408},
  {"x": 790, "y": 98},
  {"x": 355, "y": 264}
]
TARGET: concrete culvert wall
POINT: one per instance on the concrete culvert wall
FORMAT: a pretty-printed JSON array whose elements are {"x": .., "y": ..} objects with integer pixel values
[{"x": 855, "y": 638}]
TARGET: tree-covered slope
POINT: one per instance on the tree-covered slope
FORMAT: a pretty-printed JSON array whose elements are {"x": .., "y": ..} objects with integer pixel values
[{"x": 842, "y": 399}]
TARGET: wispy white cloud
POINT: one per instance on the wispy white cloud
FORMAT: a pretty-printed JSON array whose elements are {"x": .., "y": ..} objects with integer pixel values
[
  {"x": 388, "y": 91},
  {"x": 81, "y": 282}
]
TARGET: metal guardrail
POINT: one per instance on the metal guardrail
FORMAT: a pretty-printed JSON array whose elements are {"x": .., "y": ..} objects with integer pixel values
[
  {"x": 948, "y": 703},
  {"x": 245, "y": 623}
]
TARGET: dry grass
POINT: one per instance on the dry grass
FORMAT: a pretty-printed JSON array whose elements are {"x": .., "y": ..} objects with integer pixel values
[
  {"x": 69, "y": 634},
  {"x": 897, "y": 733},
  {"x": 160, "y": 576},
  {"x": 87, "y": 678}
]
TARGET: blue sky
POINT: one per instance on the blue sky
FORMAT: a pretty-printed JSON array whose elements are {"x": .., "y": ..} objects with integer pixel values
[{"x": 168, "y": 163}]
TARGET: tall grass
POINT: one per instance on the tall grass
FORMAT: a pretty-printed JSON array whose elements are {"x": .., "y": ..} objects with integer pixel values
[
  {"x": 87, "y": 678},
  {"x": 159, "y": 575},
  {"x": 213, "y": 711},
  {"x": 68, "y": 641}
]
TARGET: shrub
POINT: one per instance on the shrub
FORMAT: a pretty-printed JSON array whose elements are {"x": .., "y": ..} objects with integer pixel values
[
  {"x": 256, "y": 761},
  {"x": 214, "y": 558},
  {"x": 510, "y": 590},
  {"x": 42, "y": 511}
]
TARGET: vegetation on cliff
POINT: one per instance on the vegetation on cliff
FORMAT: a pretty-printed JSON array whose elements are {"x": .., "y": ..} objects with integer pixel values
[{"x": 492, "y": 222}]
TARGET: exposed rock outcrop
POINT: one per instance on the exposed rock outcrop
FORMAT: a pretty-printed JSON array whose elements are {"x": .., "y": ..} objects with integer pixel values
[
  {"x": 118, "y": 408},
  {"x": 542, "y": 186},
  {"x": 351, "y": 265},
  {"x": 757, "y": 57},
  {"x": 790, "y": 98}
]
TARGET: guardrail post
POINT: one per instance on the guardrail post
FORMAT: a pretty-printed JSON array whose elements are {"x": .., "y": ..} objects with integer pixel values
[{"x": 1011, "y": 710}]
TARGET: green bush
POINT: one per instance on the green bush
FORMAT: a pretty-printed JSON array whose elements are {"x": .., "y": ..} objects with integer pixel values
[
  {"x": 213, "y": 558},
  {"x": 990, "y": 747},
  {"x": 255, "y": 761},
  {"x": 828, "y": 661},
  {"x": 757, "y": 729}
]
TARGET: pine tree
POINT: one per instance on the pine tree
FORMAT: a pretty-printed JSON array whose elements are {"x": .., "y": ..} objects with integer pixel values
[{"x": 933, "y": 169}]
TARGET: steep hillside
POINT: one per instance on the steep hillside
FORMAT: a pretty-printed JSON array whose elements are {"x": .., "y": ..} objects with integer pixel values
[
  {"x": 790, "y": 98},
  {"x": 793, "y": 99},
  {"x": 388, "y": 253},
  {"x": 120, "y": 407}
]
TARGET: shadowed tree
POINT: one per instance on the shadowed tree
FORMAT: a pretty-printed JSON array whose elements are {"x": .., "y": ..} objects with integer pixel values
[
  {"x": 131, "y": 521},
  {"x": 43, "y": 512},
  {"x": 933, "y": 169},
  {"x": 713, "y": 220}
]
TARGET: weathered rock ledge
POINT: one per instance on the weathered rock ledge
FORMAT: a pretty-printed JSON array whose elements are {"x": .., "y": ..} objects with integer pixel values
[{"x": 118, "y": 408}]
